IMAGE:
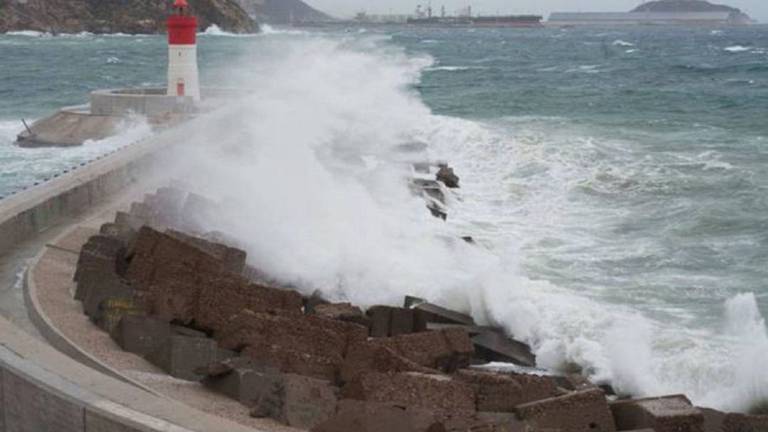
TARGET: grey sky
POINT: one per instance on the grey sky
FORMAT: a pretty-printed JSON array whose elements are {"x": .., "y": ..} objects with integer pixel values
[{"x": 758, "y": 9}]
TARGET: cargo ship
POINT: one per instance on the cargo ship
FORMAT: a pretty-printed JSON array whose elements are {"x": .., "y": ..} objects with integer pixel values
[{"x": 425, "y": 17}]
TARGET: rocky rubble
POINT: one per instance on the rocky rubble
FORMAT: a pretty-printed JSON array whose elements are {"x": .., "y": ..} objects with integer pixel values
[{"x": 166, "y": 290}]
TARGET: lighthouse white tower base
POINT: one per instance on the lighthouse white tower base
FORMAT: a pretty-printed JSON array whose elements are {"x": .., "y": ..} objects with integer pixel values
[{"x": 183, "y": 79}]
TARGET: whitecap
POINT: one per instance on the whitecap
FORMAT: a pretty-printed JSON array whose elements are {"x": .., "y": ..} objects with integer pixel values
[
  {"x": 453, "y": 68},
  {"x": 619, "y": 42},
  {"x": 113, "y": 60},
  {"x": 737, "y": 49},
  {"x": 27, "y": 33}
]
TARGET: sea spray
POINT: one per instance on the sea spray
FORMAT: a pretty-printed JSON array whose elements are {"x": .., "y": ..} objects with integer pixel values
[{"x": 301, "y": 169}]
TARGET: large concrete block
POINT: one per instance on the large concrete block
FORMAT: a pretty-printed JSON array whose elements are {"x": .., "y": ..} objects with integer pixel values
[
  {"x": 745, "y": 423},
  {"x": 182, "y": 355},
  {"x": 114, "y": 309},
  {"x": 225, "y": 295},
  {"x": 446, "y": 350},
  {"x": 426, "y": 313},
  {"x": 95, "y": 288},
  {"x": 305, "y": 402},
  {"x": 367, "y": 357},
  {"x": 360, "y": 416},
  {"x": 100, "y": 254},
  {"x": 248, "y": 384},
  {"x": 390, "y": 321},
  {"x": 497, "y": 392},
  {"x": 123, "y": 233},
  {"x": 583, "y": 411},
  {"x": 232, "y": 259},
  {"x": 141, "y": 335},
  {"x": 495, "y": 346},
  {"x": 434, "y": 392},
  {"x": 28, "y": 408},
  {"x": 663, "y": 414},
  {"x": 342, "y": 312}
]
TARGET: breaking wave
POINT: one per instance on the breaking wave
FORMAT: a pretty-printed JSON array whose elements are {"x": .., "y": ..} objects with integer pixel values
[{"x": 308, "y": 181}]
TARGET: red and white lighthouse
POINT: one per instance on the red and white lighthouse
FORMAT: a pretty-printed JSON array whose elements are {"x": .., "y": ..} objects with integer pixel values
[{"x": 183, "y": 77}]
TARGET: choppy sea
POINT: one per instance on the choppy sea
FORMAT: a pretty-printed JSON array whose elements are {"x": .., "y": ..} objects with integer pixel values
[{"x": 616, "y": 179}]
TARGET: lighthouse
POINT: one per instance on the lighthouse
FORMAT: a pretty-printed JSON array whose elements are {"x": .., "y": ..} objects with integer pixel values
[{"x": 182, "y": 52}]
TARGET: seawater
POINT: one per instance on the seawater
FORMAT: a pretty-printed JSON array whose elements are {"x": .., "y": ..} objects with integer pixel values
[{"x": 615, "y": 179}]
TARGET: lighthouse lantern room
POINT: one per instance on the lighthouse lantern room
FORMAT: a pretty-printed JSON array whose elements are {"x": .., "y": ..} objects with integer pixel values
[{"x": 183, "y": 77}]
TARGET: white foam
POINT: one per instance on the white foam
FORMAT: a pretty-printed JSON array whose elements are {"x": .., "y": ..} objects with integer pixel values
[
  {"x": 619, "y": 42},
  {"x": 27, "y": 33},
  {"x": 300, "y": 167},
  {"x": 737, "y": 49}
]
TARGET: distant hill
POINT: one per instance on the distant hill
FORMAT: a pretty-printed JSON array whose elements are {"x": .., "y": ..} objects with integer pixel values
[
  {"x": 688, "y": 6},
  {"x": 116, "y": 16},
  {"x": 283, "y": 11}
]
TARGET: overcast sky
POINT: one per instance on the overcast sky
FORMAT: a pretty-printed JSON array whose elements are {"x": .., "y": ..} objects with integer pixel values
[{"x": 758, "y": 9}]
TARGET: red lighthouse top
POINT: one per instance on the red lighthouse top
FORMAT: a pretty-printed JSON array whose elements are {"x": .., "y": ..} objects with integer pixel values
[{"x": 182, "y": 28}]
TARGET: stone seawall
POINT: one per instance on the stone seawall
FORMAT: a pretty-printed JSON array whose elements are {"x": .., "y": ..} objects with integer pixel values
[{"x": 70, "y": 194}]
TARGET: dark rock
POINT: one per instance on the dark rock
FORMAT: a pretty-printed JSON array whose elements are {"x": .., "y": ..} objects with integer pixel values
[
  {"x": 359, "y": 416},
  {"x": 497, "y": 392},
  {"x": 390, "y": 321},
  {"x": 342, "y": 312},
  {"x": 129, "y": 220},
  {"x": 99, "y": 255},
  {"x": 141, "y": 335},
  {"x": 663, "y": 414},
  {"x": 369, "y": 356},
  {"x": 448, "y": 177},
  {"x": 446, "y": 350},
  {"x": 437, "y": 211},
  {"x": 429, "y": 313},
  {"x": 434, "y": 392},
  {"x": 303, "y": 402},
  {"x": 112, "y": 310},
  {"x": 582, "y": 411},
  {"x": 232, "y": 259},
  {"x": 126, "y": 235},
  {"x": 182, "y": 355},
  {"x": 305, "y": 345},
  {"x": 494, "y": 346},
  {"x": 311, "y": 302},
  {"x": 226, "y": 295}
]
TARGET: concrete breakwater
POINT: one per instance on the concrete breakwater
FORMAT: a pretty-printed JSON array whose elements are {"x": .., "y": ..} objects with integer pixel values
[{"x": 185, "y": 299}]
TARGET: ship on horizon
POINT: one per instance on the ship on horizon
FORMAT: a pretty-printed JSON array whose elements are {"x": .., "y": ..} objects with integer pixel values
[{"x": 425, "y": 17}]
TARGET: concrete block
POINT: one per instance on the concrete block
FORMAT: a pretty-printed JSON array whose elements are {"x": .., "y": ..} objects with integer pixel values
[
  {"x": 141, "y": 335},
  {"x": 663, "y": 414},
  {"x": 182, "y": 355},
  {"x": 360, "y": 416},
  {"x": 583, "y": 411},
  {"x": 28, "y": 408},
  {"x": 114, "y": 309},
  {"x": 495, "y": 346},
  {"x": 248, "y": 385},
  {"x": 310, "y": 303},
  {"x": 129, "y": 220},
  {"x": 390, "y": 321},
  {"x": 225, "y": 295},
  {"x": 123, "y": 233},
  {"x": 342, "y": 312},
  {"x": 429, "y": 313},
  {"x": 232, "y": 259},
  {"x": 745, "y": 423},
  {"x": 380, "y": 317},
  {"x": 497, "y": 392},
  {"x": 433, "y": 392},
  {"x": 100, "y": 254},
  {"x": 96, "y": 288},
  {"x": 367, "y": 357},
  {"x": 306, "y": 402}
]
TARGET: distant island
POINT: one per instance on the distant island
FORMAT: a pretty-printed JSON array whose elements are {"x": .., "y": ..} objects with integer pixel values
[
  {"x": 116, "y": 16},
  {"x": 659, "y": 12},
  {"x": 689, "y": 6}
]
